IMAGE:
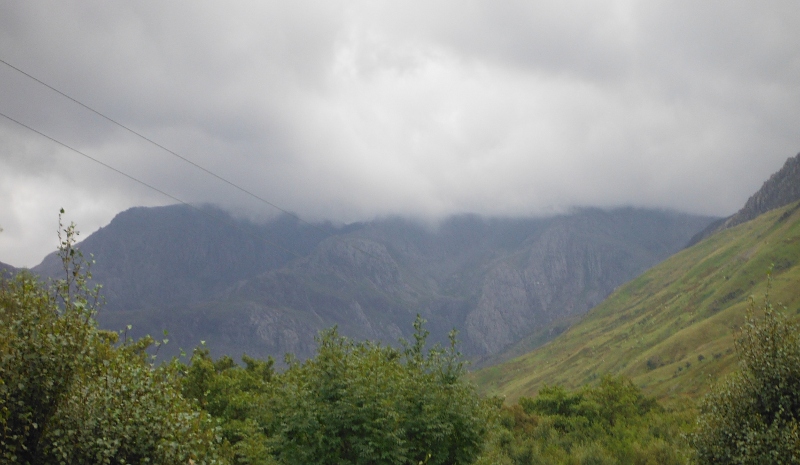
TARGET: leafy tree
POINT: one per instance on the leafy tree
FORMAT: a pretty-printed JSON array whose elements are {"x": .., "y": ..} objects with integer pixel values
[
  {"x": 70, "y": 394},
  {"x": 240, "y": 398},
  {"x": 364, "y": 403},
  {"x": 754, "y": 415},
  {"x": 40, "y": 351}
]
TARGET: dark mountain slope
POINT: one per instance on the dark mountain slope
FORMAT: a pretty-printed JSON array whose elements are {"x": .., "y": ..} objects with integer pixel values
[
  {"x": 573, "y": 265},
  {"x": 177, "y": 255},
  {"x": 495, "y": 280},
  {"x": 4, "y": 268}
]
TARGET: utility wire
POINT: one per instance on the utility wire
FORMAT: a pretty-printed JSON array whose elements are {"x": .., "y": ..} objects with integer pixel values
[
  {"x": 150, "y": 186},
  {"x": 172, "y": 152}
]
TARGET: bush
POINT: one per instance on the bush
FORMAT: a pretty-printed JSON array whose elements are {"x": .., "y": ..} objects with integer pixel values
[
  {"x": 753, "y": 416},
  {"x": 611, "y": 422}
]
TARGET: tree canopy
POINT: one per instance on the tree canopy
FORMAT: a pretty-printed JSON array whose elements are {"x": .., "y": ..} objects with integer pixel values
[{"x": 352, "y": 403}]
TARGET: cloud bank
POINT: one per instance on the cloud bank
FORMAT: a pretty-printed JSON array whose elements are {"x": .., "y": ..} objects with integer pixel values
[{"x": 351, "y": 110}]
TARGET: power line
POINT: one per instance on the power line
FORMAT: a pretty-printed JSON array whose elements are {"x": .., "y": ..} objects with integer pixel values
[
  {"x": 150, "y": 186},
  {"x": 172, "y": 152}
]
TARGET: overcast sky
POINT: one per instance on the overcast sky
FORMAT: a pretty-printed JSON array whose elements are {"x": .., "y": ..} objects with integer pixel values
[{"x": 352, "y": 110}]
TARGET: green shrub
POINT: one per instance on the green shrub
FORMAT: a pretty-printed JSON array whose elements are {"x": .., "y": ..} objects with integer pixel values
[
  {"x": 752, "y": 417},
  {"x": 240, "y": 398},
  {"x": 611, "y": 422}
]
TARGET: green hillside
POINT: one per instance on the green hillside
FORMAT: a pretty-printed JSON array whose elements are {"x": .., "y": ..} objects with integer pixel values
[{"x": 671, "y": 329}]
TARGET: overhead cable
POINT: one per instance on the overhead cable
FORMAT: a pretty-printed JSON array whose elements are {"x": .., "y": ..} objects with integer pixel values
[
  {"x": 149, "y": 186},
  {"x": 166, "y": 149}
]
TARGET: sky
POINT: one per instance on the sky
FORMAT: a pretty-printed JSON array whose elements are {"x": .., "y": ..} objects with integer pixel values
[{"x": 351, "y": 110}]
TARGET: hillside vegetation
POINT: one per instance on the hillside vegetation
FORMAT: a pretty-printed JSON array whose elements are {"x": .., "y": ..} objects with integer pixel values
[{"x": 671, "y": 330}]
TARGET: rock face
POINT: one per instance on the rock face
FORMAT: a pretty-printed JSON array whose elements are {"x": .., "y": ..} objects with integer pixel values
[
  {"x": 494, "y": 280},
  {"x": 781, "y": 189},
  {"x": 572, "y": 266}
]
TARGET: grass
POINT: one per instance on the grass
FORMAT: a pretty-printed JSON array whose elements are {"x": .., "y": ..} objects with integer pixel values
[{"x": 671, "y": 330}]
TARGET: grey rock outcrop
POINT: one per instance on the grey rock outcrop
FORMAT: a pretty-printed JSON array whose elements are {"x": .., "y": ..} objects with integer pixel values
[{"x": 781, "y": 189}]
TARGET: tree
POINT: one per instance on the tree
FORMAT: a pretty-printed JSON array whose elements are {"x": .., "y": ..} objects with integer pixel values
[
  {"x": 240, "y": 398},
  {"x": 364, "y": 403},
  {"x": 70, "y": 394},
  {"x": 754, "y": 415}
]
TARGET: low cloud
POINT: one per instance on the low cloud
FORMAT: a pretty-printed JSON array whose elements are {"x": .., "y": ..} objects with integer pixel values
[{"x": 351, "y": 110}]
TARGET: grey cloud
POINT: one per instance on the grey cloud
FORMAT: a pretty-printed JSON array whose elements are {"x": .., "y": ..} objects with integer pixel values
[{"x": 347, "y": 110}]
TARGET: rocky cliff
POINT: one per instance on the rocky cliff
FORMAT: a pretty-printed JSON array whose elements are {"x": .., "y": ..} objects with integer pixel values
[{"x": 781, "y": 189}]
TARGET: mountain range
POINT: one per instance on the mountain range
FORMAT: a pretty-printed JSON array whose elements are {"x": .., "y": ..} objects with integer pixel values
[
  {"x": 267, "y": 289},
  {"x": 508, "y": 285},
  {"x": 560, "y": 300}
]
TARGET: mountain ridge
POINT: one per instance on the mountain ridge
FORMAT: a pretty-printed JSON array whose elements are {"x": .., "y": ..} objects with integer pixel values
[
  {"x": 781, "y": 189},
  {"x": 187, "y": 254},
  {"x": 495, "y": 280}
]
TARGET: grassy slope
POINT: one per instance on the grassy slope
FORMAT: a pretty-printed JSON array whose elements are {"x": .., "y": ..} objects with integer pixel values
[{"x": 671, "y": 329}]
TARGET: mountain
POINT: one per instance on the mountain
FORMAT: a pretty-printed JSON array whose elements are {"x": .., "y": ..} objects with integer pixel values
[
  {"x": 781, "y": 189},
  {"x": 176, "y": 255},
  {"x": 671, "y": 329},
  {"x": 4, "y": 268},
  {"x": 268, "y": 289}
]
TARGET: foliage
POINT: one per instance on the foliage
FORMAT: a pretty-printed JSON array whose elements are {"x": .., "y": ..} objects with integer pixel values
[
  {"x": 68, "y": 394},
  {"x": 353, "y": 403},
  {"x": 360, "y": 402},
  {"x": 754, "y": 415},
  {"x": 240, "y": 398},
  {"x": 612, "y": 422}
]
